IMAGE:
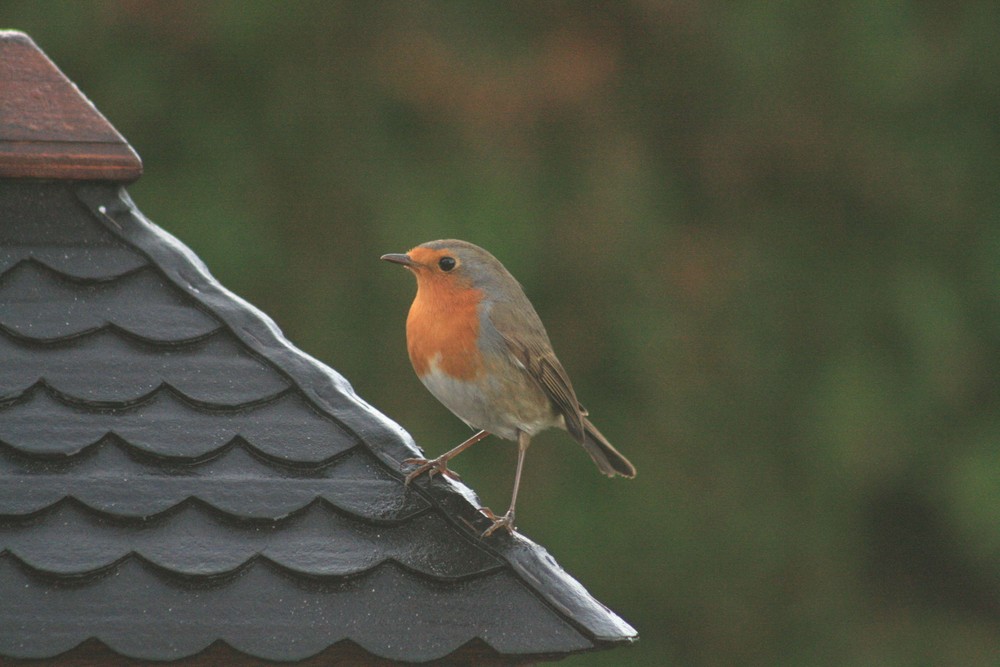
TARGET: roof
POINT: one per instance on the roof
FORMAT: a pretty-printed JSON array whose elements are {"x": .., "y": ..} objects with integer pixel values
[
  {"x": 176, "y": 477},
  {"x": 169, "y": 461}
]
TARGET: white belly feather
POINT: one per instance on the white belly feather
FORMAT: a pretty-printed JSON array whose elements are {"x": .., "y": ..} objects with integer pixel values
[{"x": 500, "y": 407}]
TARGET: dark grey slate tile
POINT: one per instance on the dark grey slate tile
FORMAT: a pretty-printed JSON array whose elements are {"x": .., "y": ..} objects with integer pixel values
[
  {"x": 37, "y": 303},
  {"x": 194, "y": 540},
  {"x": 285, "y": 427},
  {"x": 108, "y": 367},
  {"x": 113, "y": 478},
  {"x": 77, "y": 263},
  {"x": 139, "y": 610}
]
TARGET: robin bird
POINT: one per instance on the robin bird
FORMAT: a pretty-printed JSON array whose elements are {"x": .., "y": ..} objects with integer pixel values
[{"x": 477, "y": 344}]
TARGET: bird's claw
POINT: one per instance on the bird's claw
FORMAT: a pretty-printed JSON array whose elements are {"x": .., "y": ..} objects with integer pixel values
[
  {"x": 505, "y": 521},
  {"x": 429, "y": 466}
]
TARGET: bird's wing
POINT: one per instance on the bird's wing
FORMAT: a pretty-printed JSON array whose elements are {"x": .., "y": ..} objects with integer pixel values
[{"x": 529, "y": 344}]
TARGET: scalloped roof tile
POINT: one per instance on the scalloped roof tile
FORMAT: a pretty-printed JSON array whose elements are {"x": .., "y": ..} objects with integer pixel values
[
  {"x": 312, "y": 617},
  {"x": 164, "y": 423},
  {"x": 194, "y": 539},
  {"x": 77, "y": 307}
]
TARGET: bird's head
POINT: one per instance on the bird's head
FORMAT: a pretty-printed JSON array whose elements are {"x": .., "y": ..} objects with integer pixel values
[{"x": 453, "y": 264}]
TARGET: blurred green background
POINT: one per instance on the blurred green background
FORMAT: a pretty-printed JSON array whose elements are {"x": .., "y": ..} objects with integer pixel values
[{"x": 765, "y": 238}]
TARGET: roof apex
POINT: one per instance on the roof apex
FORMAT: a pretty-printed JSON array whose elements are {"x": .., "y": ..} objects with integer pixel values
[{"x": 48, "y": 128}]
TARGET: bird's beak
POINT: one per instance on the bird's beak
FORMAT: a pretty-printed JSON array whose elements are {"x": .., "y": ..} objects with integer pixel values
[{"x": 399, "y": 259}]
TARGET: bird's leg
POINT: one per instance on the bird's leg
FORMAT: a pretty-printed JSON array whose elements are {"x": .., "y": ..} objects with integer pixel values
[
  {"x": 507, "y": 520},
  {"x": 440, "y": 464}
]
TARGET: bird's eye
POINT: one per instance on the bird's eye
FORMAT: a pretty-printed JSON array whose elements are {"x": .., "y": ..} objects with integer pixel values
[{"x": 447, "y": 263}]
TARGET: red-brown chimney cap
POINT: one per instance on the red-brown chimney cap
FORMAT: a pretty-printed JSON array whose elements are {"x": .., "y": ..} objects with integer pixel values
[{"x": 48, "y": 128}]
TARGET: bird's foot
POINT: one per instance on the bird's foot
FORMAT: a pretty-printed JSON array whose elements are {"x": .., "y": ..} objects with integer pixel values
[
  {"x": 429, "y": 466},
  {"x": 505, "y": 521}
]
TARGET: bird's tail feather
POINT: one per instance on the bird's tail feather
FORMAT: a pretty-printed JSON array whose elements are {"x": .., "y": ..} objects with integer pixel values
[{"x": 608, "y": 459}]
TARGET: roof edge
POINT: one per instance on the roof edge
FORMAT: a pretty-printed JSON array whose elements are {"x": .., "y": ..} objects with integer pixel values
[{"x": 535, "y": 565}]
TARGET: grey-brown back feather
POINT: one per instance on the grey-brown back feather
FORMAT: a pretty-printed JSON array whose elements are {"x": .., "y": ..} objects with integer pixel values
[
  {"x": 532, "y": 348},
  {"x": 526, "y": 339}
]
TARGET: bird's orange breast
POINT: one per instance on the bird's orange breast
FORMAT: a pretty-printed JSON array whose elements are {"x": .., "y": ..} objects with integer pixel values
[{"x": 443, "y": 328}]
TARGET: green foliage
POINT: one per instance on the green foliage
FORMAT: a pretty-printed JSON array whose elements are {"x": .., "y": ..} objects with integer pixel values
[{"x": 764, "y": 238}]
